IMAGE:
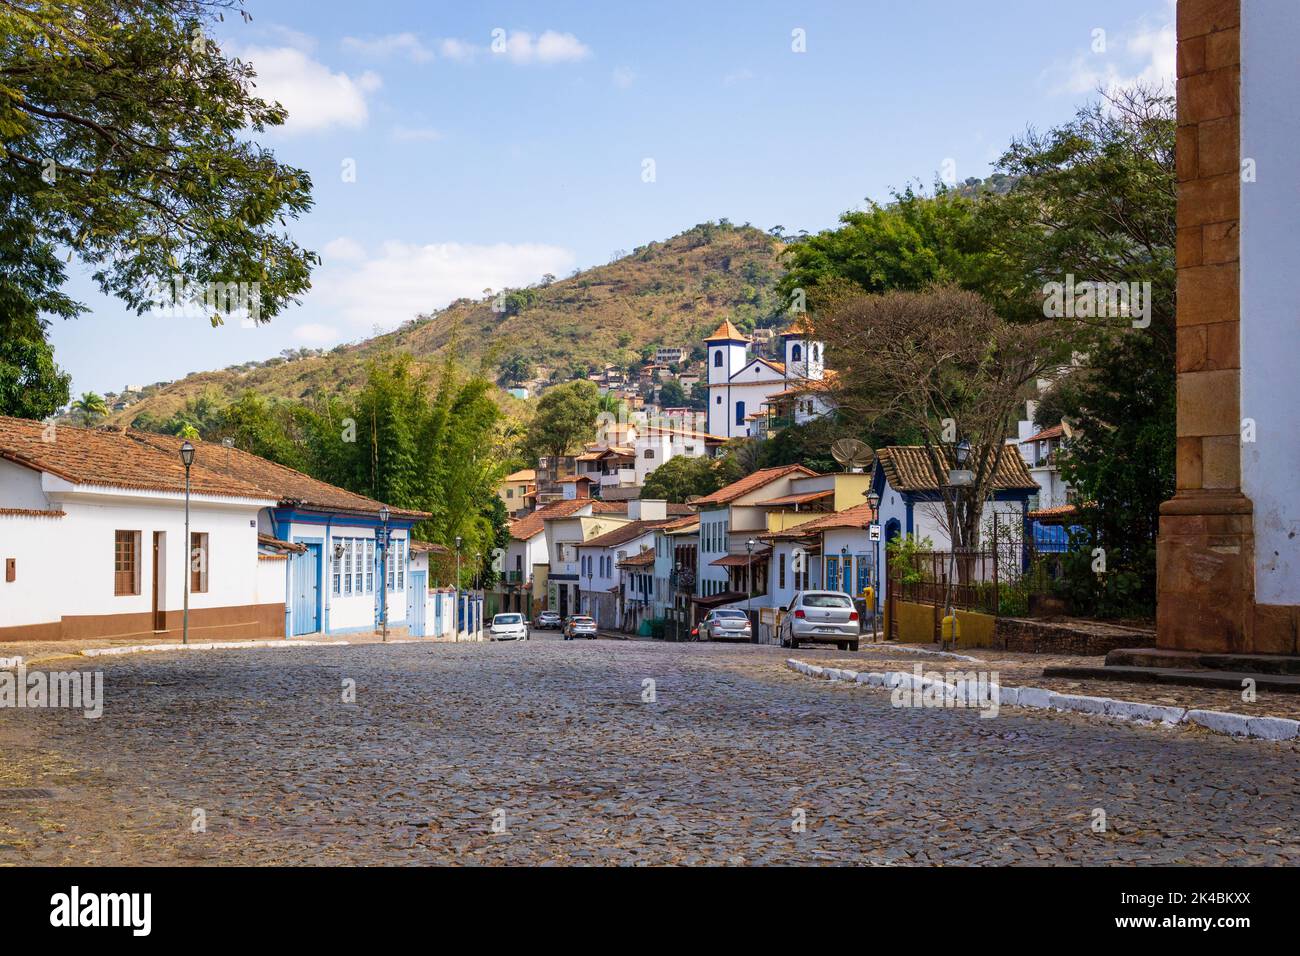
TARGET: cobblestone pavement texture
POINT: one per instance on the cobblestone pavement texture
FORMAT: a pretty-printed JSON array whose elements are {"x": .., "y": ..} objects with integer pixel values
[{"x": 554, "y": 740}]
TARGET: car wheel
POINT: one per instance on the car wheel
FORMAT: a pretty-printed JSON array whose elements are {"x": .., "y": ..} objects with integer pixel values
[{"x": 853, "y": 646}]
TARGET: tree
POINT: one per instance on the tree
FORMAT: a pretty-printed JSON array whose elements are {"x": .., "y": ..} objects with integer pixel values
[
  {"x": 31, "y": 384},
  {"x": 123, "y": 137},
  {"x": 682, "y": 477},
  {"x": 672, "y": 395},
  {"x": 945, "y": 366},
  {"x": 91, "y": 407},
  {"x": 516, "y": 368},
  {"x": 1096, "y": 197},
  {"x": 914, "y": 242},
  {"x": 565, "y": 416}
]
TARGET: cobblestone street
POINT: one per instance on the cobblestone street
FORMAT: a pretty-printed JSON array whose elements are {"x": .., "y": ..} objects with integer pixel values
[{"x": 553, "y": 741}]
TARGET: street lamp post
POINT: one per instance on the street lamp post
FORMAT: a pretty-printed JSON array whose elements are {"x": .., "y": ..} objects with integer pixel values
[
  {"x": 384, "y": 515},
  {"x": 845, "y": 570},
  {"x": 460, "y": 612},
  {"x": 187, "y": 459},
  {"x": 873, "y": 501},
  {"x": 749, "y": 580},
  {"x": 957, "y": 479}
]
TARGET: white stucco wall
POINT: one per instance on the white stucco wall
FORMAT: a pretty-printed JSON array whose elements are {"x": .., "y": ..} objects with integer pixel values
[{"x": 1270, "y": 326}]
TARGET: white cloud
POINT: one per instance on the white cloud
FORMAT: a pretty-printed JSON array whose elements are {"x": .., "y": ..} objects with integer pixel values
[
  {"x": 394, "y": 44},
  {"x": 315, "y": 332},
  {"x": 454, "y": 49},
  {"x": 1146, "y": 56},
  {"x": 344, "y": 248},
  {"x": 623, "y": 77},
  {"x": 415, "y": 134},
  {"x": 520, "y": 47},
  {"x": 404, "y": 280},
  {"x": 315, "y": 97}
]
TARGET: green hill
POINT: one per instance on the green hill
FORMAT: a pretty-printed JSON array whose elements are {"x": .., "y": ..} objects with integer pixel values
[{"x": 673, "y": 293}]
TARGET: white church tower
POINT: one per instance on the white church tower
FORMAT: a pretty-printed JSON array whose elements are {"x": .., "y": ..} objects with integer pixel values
[
  {"x": 804, "y": 356},
  {"x": 727, "y": 348}
]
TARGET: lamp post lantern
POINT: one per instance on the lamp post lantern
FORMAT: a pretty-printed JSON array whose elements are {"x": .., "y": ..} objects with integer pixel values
[
  {"x": 460, "y": 613},
  {"x": 384, "y": 515},
  {"x": 187, "y": 459}
]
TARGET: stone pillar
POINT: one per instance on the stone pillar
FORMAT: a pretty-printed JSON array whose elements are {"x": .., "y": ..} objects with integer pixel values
[
  {"x": 1229, "y": 546},
  {"x": 1205, "y": 567}
]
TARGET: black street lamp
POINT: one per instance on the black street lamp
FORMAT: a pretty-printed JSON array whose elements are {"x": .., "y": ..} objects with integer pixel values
[
  {"x": 749, "y": 574},
  {"x": 873, "y": 502},
  {"x": 384, "y": 515},
  {"x": 460, "y": 612},
  {"x": 187, "y": 459}
]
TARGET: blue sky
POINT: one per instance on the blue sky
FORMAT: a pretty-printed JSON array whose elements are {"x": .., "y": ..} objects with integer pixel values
[{"x": 495, "y": 142}]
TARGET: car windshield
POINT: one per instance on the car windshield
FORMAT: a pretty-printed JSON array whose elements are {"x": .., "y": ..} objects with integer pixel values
[
  {"x": 827, "y": 600},
  {"x": 508, "y": 619}
]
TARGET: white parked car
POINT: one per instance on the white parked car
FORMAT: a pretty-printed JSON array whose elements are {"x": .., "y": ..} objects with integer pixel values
[
  {"x": 726, "y": 624},
  {"x": 821, "y": 617},
  {"x": 508, "y": 627}
]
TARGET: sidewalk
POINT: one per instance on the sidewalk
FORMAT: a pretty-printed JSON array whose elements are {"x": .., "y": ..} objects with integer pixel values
[
  {"x": 1019, "y": 669},
  {"x": 38, "y": 652}
]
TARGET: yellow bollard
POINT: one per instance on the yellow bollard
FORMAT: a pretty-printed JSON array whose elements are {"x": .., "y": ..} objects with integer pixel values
[{"x": 951, "y": 628}]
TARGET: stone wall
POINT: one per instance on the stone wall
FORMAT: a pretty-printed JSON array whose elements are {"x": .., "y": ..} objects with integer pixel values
[{"x": 1073, "y": 638}]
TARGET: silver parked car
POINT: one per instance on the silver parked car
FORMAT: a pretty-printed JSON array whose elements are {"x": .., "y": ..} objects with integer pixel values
[
  {"x": 821, "y": 617},
  {"x": 726, "y": 624},
  {"x": 579, "y": 626},
  {"x": 508, "y": 627}
]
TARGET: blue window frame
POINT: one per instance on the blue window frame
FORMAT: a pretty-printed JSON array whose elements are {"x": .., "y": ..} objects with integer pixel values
[{"x": 740, "y": 413}]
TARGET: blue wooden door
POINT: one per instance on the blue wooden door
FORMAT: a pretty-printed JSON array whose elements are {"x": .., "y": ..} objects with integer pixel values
[
  {"x": 415, "y": 603},
  {"x": 306, "y": 591}
]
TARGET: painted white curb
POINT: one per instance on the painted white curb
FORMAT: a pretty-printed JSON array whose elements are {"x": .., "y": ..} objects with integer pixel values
[{"x": 1220, "y": 722}]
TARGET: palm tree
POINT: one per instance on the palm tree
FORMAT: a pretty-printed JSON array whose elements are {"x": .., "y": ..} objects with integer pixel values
[{"x": 91, "y": 406}]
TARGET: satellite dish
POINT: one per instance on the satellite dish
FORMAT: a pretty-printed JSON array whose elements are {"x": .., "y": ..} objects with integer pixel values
[
  {"x": 1066, "y": 430},
  {"x": 691, "y": 499},
  {"x": 854, "y": 455}
]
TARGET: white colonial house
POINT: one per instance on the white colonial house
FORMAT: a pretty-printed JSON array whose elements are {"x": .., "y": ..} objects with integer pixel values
[
  {"x": 600, "y": 580},
  {"x": 92, "y": 537},
  {"x": 742, "y": 387}
]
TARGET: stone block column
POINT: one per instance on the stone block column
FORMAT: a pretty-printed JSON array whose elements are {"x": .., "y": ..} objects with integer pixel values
[{"x": 1205, "y": 577}]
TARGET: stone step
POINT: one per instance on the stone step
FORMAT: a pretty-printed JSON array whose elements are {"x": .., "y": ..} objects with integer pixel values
[
  {"x": 1187, "y": 677},
  {"x": 1203, "y": 660}
]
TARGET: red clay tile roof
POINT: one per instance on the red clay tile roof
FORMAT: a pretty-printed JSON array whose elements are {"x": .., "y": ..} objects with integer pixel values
[
  {"x": 682, "y": 523},
  {"x": 802, "y": 499},
  {"x": 740, "y": 560},
  {"x": 1055, "y": 431},
  {"x": 147, "y": 461},
  {"x": 283, "y": 547},
  {"x": 31, "y": 513},
  {"x": 1060, "y": 511},
  {"x": 726, "y": 332},
  {"x": 642, "y": 560},
  {"x": 623, "y": 533},
  {"x": 749, "y": 483},
  {"x": 90, "y": 456},
  {"x": 534, "y": 523},
  {"x": 908, "y": 468},
  {"x": 523, "y": 474},
  {"x": 291, "y": 488},
  {"x": 859, "y": 516}
]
